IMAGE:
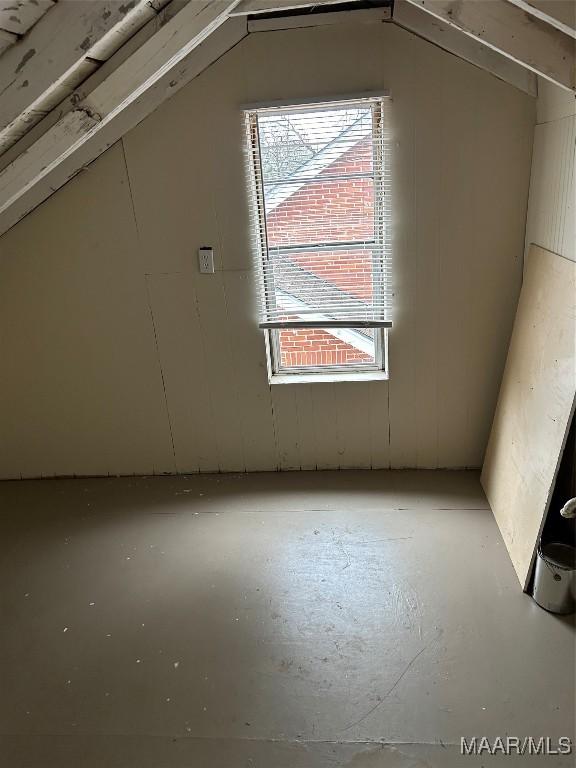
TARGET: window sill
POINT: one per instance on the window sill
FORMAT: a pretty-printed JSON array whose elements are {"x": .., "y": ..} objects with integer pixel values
[{"x": 313, "y": 378}]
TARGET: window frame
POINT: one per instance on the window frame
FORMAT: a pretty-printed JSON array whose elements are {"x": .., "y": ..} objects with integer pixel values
[
  {"x": 379, "y": 364},
  {"x": 309, "y": 373}
]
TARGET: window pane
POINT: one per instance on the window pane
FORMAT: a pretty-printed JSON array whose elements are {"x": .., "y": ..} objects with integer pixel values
[
  {"x": 321, "y": 211},
  {"x": 326, "y": 280},
  {"x": 303, "y": 143},
  {"x": 318, "y": 176},
  {"x": 318, "y": 347}
]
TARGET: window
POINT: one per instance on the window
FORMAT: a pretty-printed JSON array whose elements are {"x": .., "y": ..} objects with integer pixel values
[{"x": 320, "y": 198}]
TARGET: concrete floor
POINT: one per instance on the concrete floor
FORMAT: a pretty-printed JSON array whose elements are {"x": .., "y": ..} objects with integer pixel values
[{"x": 298, "y": 620}]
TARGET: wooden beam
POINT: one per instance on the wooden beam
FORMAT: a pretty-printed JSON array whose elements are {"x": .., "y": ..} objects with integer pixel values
[
  {"x": 96, "y": 78},
  {"x": 430, "y": 28},
  {"x": 58, "y": 54},
  {"x": 250, "y": 7},
  {"x": 164, "y": 64},
  {"x": 559, "y": 13},
  {"x": 505, "y": 28}
]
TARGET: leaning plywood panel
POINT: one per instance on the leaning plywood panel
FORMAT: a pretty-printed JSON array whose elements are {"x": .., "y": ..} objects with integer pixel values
[{"x": 535, "y": 405}]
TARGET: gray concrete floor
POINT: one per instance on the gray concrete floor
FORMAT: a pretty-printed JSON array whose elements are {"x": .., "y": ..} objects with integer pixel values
[{"x": 298, "y": 620}]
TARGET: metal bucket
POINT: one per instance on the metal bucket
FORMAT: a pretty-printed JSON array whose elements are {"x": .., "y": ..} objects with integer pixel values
[{"x": 555, "y": 578}]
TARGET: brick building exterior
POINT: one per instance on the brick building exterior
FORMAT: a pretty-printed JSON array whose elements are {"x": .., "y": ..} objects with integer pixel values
[{"x": 328, "y": 210}]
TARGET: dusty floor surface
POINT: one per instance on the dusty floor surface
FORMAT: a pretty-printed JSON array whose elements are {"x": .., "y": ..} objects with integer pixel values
[{"x": 301, "y": 620}]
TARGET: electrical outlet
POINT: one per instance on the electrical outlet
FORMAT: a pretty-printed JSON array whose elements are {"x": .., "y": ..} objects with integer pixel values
[{"x": 206, "y": 259}]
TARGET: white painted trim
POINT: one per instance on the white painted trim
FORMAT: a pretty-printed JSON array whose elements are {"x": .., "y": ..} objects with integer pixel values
[
  {"x": 334, "y": 376},
  {"x": 323, "y": 99},
  {"x": 423, "y": 24},
  {"x": 450, "y": 39},
  {"x": 507, "y": 29},
  {"x": 48, "y": 152},
  {"x": 157, "y": 57}
]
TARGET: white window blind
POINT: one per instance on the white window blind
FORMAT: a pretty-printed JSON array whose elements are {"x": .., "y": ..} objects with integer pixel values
[{"x": 320, "y": 192}]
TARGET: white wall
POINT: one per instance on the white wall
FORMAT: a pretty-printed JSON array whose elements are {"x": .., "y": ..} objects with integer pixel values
[
  {"x": 118, "y": 357},
  {"x": 551, "y": 219}
]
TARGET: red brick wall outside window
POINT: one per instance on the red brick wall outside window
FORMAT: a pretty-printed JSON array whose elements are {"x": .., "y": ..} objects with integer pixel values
[
  {"x": 330, "y": 210},
  {"x": 315, "y": 347}
]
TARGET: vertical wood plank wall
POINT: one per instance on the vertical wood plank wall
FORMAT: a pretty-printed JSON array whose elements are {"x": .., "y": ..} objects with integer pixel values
[
  {"x": 119, "y": 357},
  {"x": 551, "y": 221}
]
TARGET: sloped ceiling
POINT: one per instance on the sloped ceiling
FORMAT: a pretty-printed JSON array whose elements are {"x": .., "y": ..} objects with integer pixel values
[{"x": 77, "y": 74}]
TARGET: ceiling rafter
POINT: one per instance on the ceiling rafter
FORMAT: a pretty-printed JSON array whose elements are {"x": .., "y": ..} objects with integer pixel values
[
  {"x": 509, "y": 30},
  {"x": 138, "y": 67},
  {"x": 436, "y": 31},
  {"x": 59, "y": 53},
  {"x": 559, "y": 13},
  {"x": 155, "y": 70}
]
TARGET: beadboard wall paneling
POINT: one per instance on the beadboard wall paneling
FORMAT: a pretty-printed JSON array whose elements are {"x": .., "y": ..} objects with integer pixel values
[
  {"x": 551, "y": 221},
  {"x": 119, "y": 357}
]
